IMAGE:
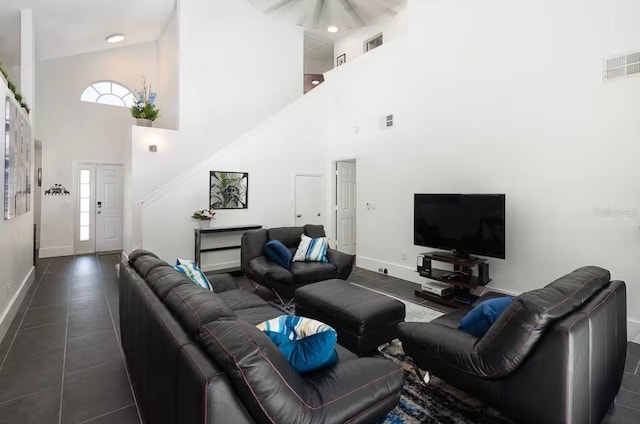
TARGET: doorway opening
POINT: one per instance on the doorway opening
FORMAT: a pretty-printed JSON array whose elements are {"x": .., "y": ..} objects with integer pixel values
[
  {"x": 98, "y": 208},
  {"x": 345, "y": 206}
]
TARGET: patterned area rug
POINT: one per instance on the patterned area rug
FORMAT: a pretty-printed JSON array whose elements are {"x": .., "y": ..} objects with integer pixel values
[{"x": 435, "y": 403}]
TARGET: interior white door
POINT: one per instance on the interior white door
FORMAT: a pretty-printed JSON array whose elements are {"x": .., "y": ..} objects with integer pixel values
[
  {"x": 308, "y": 199},
  {"x": 108, "y": 206},
  {"x": 346, "y": 207}
]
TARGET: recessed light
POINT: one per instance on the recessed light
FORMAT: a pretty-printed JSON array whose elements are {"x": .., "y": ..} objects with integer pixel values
[
  {"x": 315, "y": 82},
  {"x": 114, "y": 38},
  {"x": 332, "y": 29}
]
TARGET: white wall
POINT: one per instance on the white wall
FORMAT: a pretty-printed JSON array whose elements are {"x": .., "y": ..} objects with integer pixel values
[
  {"x": 167, "y": 75},
  {"x": 27, "y": 61},
  {"x": 72, "y": 130},
  {"x": 318, "y": 66},
  {"x": 237, "y": 67},
  {"x": 16, "y": 250},
  {"x": 520, "y": 108},
  {"x": 290, "y": 142},
  {"x": 352, "y": 44}
]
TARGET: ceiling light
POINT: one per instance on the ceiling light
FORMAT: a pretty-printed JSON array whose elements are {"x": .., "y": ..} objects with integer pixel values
[
  {"x": 114, "y": 38},
  {"x": 332, "y": 29},
  {"x": 315, "y": 82}
]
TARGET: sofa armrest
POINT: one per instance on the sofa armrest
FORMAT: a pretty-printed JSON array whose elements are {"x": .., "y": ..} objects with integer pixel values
[
  {"x": 352, "y": 387},
  {"x": 426, "y": 341},
  {"x": 342, "y": 261}
]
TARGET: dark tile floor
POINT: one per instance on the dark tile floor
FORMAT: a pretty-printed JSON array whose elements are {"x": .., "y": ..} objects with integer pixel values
[{"x": 61, "y": 360}]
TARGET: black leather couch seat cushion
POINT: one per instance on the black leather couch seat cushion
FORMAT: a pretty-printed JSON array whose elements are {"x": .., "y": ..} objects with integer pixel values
[
  {"x": 309, "y": 272},
  {"x": 195, "y": 306},
  {"x": 266, "y": 267},
  {"x": 351, "y": 308},
  {"x": 259, "y": 314},
  {"x": 241, "y": 299}
]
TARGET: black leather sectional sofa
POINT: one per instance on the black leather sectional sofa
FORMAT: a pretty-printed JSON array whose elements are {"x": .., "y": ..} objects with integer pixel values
[
  {"x": 195, "y": 356},
  {"x": 555, "y": 355}
]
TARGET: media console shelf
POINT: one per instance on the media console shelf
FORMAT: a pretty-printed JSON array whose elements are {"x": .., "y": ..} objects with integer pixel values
[
  {"x": 237, "y": 229},
  {"x": 462, "y": 277}
]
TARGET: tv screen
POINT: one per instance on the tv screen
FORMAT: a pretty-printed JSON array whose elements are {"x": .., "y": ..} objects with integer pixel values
[{"x": 466, "y": 223}]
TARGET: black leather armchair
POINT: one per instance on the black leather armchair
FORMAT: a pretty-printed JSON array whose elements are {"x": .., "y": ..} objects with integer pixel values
[
  {"x": 555, "y": 355},
  {"x": 257, "y": 267}
]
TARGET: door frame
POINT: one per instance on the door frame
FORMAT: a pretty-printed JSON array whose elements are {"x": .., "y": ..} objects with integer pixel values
[
  {"x": 334, "y": 199},
  {"x": 322, "y": 190},
  {"x": 76, "y": 196}
]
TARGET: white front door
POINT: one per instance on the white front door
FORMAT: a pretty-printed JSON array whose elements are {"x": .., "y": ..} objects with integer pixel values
[
  {"x": 346, "y": 207},
  {"x": 108, "y": 206},
  {"x": 308, "y": 200}
]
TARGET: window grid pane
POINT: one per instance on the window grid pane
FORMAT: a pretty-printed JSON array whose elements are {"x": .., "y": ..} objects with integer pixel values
[
  {"x": 85, "y": 191},
  {"x": 84, "y": 233},
  {"x": 84, "y": 205},
  {"x": 108, "y": 93}
]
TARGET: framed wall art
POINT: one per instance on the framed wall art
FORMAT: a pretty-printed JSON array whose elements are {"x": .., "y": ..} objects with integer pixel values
[{"x": 228, "y": 190}]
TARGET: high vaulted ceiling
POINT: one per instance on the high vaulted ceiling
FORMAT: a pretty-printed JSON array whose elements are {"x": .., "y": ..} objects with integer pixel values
[
  {"x": 315, "y": 16},
  {"x": 70, "y": 27}
]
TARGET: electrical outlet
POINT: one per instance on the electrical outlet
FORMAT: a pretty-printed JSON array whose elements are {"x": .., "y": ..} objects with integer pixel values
[{"x": 379, "y": 269}]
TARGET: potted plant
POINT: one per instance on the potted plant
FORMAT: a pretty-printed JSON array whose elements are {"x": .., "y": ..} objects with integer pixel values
[
  {"x": 144, "y": 109},
  {"x": 204, "y": 217}
]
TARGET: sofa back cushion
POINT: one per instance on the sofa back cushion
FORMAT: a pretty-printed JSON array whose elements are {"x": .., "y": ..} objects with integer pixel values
[
  {"x": 289, "y": 236},
  {"x": 521, "y": 325},
  {"x": 164, "y": 279},
  {"x": 194, "y": 306},
  {"x": 143, "y": 264},
  {"x": 314, "y": 231},
  {"x": 269, "y": 387}
]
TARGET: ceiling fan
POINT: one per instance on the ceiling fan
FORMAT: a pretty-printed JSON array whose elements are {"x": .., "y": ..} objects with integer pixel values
[{"x": 343, "y": 14}]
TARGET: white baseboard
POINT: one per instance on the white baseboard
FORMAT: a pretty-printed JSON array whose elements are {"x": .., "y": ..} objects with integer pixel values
[
  {"x": 14, "y": 304},
  {"x": 54, "y": 252}
]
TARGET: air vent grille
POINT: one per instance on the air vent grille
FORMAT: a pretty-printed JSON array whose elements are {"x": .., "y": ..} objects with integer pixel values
[{"x": 622, "y": 66}]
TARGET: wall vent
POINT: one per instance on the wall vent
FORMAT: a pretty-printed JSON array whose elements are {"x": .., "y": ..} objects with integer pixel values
[{"x": 617, "y": 67}]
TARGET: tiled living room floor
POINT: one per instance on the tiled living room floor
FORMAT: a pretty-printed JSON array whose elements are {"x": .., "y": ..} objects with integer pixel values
[{"x": 61, "y": 361}]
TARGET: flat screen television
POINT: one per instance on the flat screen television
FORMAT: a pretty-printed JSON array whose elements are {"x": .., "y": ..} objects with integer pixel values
[{"x": 462, "y": 223}]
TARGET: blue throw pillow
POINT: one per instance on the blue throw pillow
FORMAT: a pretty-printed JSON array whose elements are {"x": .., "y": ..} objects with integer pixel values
[
  {"x": 306, "y": 343},
  {"x": 278, "y": 253},
  {"x": 190, "y": 269},
  {"x": 483, "y": 315}
]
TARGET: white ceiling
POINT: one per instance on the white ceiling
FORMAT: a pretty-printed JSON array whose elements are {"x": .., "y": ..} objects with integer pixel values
[{"x": 70, "y": 27}]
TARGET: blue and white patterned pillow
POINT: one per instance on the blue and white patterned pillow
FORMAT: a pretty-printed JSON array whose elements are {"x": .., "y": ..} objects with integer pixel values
[
  {"x": 196, "y": 275},
  {"x": 311, "y": 250},
  {"x": 306, "y": 343}
]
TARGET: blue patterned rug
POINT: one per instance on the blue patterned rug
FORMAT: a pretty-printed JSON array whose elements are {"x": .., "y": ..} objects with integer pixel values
[{"x": 435, "y": 403}]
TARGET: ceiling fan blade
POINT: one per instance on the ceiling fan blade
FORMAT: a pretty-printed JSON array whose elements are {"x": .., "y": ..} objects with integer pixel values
[
  {"x": 318, "y": 12},
  {"x": 353, "y": 12},
  {"x": 278, "y": 5}
]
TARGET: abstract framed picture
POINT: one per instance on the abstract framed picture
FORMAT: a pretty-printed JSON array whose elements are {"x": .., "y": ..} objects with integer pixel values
[
  {"x": 341, "y": 60},
  {"x": 228, "y": 190}
]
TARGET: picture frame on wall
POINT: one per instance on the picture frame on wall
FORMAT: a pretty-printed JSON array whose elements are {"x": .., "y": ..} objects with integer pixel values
[
  {"x": 341, "y": 60},
  {"x": 228, "y": 190}
]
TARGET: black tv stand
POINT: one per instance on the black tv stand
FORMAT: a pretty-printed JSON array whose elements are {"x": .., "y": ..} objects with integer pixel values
[
  {"x": 455, "y": 255},
  {"x": 462, "y": 277}
]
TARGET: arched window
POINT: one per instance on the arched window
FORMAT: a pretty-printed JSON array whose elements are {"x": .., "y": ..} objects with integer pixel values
[{"x": 108, "y": 93}]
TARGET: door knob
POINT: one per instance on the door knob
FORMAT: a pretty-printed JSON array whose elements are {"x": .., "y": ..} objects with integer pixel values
[
  {"x": 318, "y": 214},
  {"x": 99, "y": 212},
  {"x": 299, "y": 216}
]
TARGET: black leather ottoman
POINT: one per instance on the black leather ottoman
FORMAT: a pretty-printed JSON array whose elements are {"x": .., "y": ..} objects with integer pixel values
[{"x": 363, "y": 318}]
